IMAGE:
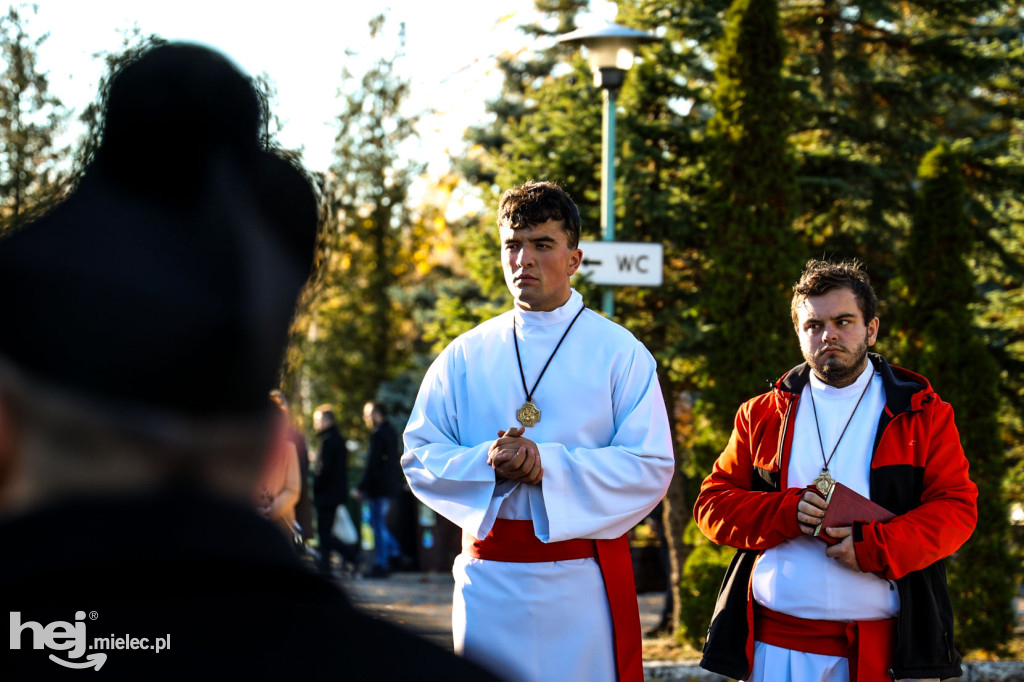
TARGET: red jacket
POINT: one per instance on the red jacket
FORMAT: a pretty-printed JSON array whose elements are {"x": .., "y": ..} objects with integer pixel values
[{"x": 918, "y": 471}]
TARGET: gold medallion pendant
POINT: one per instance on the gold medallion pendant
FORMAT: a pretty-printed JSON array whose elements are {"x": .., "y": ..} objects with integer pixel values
[
  {"x": 528, "y": 414},
  {"x": 824, "y": 482}
]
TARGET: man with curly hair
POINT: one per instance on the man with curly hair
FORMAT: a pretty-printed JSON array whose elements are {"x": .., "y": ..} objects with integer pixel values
[{"x": 870, "y": 603}]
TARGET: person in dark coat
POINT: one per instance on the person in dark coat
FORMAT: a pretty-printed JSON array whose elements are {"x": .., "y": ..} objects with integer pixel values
[
  {"x": 143, "y": 322},
  {"x": 330, "y": 489},
  {"x": 381, "y": 482}
]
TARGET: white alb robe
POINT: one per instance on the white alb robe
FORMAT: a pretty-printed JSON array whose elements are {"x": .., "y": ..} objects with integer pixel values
[{"x": 606, "y": 449}]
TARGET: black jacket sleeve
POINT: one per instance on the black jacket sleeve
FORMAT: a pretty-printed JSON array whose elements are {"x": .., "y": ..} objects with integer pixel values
[
  {"x": 382, "y": 472},
  {"x": 330, "y": 483}
]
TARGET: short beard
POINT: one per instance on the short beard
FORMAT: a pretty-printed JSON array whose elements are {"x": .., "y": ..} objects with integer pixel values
[{"x": 839, "y": 374}]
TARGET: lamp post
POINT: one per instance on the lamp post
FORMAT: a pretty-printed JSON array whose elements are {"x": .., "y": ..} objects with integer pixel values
[{"x": 610, "y": 51}]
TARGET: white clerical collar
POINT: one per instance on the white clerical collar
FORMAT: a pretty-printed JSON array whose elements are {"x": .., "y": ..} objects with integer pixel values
[
  {"x": 561, "y": 315},
  {"x": 823, "y": 390}
]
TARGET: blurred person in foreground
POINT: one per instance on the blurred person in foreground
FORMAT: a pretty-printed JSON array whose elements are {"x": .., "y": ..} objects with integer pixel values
[
  {"x": 380, "y": 483},
  {"x": 142, "y": 324},
  {"x": 874, "y": 605},
  {"x": 544, "y": 586}
]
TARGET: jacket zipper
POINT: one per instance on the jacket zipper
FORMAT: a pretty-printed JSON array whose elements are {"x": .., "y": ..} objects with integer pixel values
[
  {"x": 892, "y": 584},
  {"x": 782, "y": 437}
]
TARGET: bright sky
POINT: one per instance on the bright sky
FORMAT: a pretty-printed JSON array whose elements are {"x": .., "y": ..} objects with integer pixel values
[{"x": 300, "y": 44}]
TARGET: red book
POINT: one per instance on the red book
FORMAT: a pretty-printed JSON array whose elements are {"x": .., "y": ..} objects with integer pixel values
[{"x": 844, "y": 507}]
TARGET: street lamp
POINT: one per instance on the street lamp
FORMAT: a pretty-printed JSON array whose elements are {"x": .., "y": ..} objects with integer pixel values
[{"x": 610, "y": 51}]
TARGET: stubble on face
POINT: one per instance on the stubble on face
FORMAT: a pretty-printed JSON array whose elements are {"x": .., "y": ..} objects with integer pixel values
[
  {"x": 835, "y": 369},
  {"x": 834, "y": 337}
]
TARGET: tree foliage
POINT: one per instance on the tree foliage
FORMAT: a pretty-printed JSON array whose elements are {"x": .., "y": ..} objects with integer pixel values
[
  {"x": 544, "y": 126},
  {"x": 937, "y": 337},
  {"x": 31, "y": 119},
  {"x": 744, "y": 153},
  {"x": 876, "y": 84},
  {"x": 356, "y": 339},
  {"x": 752, "y": 254}
]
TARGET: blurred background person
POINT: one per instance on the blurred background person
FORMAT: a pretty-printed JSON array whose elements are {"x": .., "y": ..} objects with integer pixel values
[
  {"x": 304, "y": 505},
  {"x": 381, "y": 482},
  {"x": 280, "y": 483},
  {"x": 330, "y": 490}
]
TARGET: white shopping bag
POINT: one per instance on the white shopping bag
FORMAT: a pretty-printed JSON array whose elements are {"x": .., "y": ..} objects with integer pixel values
[{"x": 343, "y": 528}]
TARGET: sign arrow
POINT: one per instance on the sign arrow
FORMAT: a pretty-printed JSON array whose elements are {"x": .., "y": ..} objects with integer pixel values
[{"x": 622, "y": 263}]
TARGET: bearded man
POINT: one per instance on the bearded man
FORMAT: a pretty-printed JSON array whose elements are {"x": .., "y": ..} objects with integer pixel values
[{"x": 871, "y": 602}]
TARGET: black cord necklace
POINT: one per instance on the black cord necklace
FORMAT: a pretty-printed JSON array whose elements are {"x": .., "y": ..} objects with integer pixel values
[
  {"x": 529, "y": 414},
  {"x": 824, "y": 481}
]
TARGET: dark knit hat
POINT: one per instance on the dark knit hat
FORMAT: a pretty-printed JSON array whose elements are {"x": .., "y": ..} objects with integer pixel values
[{"x": 168, "y": 279}]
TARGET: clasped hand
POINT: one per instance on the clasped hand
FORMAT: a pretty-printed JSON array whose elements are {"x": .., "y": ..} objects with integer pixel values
[
  {"x": 809, "y": 513},
  {"x": 515, "y": 458}
]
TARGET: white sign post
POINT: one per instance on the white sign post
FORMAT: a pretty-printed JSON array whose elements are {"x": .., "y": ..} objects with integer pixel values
[{"x": 622, "y": 263}]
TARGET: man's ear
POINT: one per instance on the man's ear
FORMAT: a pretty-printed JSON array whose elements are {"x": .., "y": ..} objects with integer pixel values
[
  {"x": 575, "y": 259},
  {"x": 872, "y": 331}
]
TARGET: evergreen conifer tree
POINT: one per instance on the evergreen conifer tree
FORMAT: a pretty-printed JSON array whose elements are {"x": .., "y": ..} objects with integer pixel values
[
  {"x": 868, "y": 89},
  {"x": 877, "y": 83},
  {"x": 353, "y": 346},
  {"x": 937, "y": 337},
  {"x": 661, "y": 187},
  {"x": 752, "y": 254}
]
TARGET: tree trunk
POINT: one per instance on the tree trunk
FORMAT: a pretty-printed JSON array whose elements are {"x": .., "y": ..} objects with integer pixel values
[{"x": 676, "y": 516}]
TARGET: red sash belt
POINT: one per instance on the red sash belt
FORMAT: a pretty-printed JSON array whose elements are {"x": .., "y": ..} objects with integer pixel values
[
  {"x": 868, "y": 644},
  {"x": 515, "y": 541}
]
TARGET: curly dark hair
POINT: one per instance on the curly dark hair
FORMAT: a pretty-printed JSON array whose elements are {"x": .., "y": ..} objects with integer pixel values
[
  {"x": 533, "y": 203},
  {"x": 821, "y": 276}
]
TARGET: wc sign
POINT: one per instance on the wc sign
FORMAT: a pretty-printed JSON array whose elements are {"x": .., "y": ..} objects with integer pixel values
[{"x": 622, "y": 263}]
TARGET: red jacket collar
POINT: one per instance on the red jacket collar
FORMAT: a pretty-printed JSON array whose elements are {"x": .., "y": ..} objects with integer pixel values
[{"x": 904, "y": 390}]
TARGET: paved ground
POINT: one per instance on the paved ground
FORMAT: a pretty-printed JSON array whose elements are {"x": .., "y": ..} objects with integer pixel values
[{"x": 422, "y": 602}]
